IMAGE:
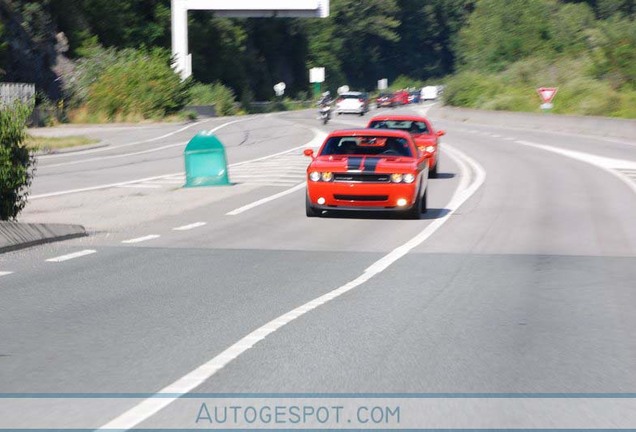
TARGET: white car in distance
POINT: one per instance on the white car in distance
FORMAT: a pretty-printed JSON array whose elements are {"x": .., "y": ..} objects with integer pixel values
[{"x": 352, "y": 103}]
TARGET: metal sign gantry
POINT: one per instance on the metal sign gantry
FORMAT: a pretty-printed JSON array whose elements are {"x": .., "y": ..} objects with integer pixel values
[{"x": 234, "y": 8}]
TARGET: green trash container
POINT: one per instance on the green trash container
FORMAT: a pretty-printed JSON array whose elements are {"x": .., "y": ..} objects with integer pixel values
[{"x": 205, "y": 161}]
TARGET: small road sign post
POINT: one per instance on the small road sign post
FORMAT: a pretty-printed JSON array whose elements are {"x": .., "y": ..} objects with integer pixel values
[
  {"x": 547, "y": 95},
  {"x": 317, "y": 77}
]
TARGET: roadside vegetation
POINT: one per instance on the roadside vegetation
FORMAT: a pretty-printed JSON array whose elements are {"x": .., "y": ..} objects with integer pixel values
[
  {"x": 17, "y": 162},
  {"x": 510, "y": 48},
  {"x": 492, "y": 54}
]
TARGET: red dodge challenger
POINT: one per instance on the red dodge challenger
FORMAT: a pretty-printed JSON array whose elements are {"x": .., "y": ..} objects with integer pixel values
[
  {"x": 367, "y": 170},
  {"x": 426, "y": 138}
]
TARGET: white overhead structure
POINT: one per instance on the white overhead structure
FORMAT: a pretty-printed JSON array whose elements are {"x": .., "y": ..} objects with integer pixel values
[{"x": 234, "y": 8}]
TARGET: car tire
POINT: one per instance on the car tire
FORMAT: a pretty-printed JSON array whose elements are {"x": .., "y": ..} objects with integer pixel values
[
  {"x": 424, "y": 207},
  {"x": 432, "y": 173},
  {"x": 310, "y": 210},
  {"x": 415, "y": 212}
]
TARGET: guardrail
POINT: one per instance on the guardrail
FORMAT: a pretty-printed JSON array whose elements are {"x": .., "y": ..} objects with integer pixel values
[{"x": 11, "y": 92}]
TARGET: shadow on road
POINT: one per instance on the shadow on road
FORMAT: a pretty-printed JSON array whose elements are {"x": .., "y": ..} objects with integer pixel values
[
  {"x": 431, "y": 214},
  {"x": 445, "y": 176}
]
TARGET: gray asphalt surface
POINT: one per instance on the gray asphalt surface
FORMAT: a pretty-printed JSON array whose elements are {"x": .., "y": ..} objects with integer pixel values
[{"x": 528, "y": 287}]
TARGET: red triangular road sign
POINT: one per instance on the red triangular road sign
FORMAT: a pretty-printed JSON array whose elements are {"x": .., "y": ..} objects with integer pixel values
[{"x": 547, "y": 93}]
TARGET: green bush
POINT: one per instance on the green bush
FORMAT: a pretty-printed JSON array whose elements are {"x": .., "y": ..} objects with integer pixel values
[
  {"x": 222, "y": 97},
  {"x": 16, "y": 162},
  {"x": 139, "y": 85},
  {"x": 471, "y": 89}
]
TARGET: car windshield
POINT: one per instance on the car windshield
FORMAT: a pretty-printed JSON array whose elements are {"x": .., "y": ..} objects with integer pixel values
[
  {"x": 405, "y": 125},
  {"x": 367, "y": 146},
  {"x": 351, "y": 96}
]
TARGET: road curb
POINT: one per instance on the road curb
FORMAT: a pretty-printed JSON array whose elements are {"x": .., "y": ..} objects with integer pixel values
[
  {"x": 584, "y": 125},
  {"x": 15, "y": 235}
]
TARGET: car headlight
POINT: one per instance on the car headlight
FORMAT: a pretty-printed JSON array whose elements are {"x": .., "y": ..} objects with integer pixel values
[
  {"x": 397, "y": 178},
  {"x": 430, "y": 149},
  {"x": 314, "y": 176},
  {"x": 409, "y": 178},
  {"x": 327, "y": 176}
]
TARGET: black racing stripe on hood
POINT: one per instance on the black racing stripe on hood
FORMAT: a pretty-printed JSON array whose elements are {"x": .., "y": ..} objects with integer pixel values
[
  {"x": 371, "y": 163},
  {"x": 353, "y": 163}
]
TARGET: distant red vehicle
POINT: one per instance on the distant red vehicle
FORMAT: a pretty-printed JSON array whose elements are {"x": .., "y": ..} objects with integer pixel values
[
  {"x": 425, "y": 136},
  {"x": 367, "y": 170},
  {"x": 385, "y": 100},
  {"x": 400, "y": 97}
]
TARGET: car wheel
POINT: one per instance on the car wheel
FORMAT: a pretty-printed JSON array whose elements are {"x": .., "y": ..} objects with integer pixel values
[
  {"x": 415, "y": 212},
  {"x": 310, "y": 211},
  {"x": 432, "y": 173},
  {"x": 425, "y": 201}
]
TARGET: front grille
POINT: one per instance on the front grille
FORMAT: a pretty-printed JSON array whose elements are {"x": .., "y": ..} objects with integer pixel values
[
  {"x": 362, "y": 178},
  {"x": 365, "y": 198}
]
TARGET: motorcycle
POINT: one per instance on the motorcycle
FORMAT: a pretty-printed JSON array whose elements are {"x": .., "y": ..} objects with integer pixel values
[{"x": 325, "y": 113}]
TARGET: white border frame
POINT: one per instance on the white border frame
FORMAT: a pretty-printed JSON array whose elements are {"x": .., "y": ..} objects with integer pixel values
[{"x": 234, "y": 8}]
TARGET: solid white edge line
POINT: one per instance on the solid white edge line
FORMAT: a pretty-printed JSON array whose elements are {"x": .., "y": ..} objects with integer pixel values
[
  {"x": 72, "y": 256},
  {"x": 117, "y": 156},
  {"x": 99, "y": 150},
  {"x": 189, "y": 227},
  {"x": 141, "y": 239},
  {"x": 5, "y": 273},
  {"x": 192, "y": 380},
  {"x": 316, "y": 141},
  {"x": 608, "y": 165},
  {"x": 260, "y": 202},
  {"x": 94, "y": 188}
]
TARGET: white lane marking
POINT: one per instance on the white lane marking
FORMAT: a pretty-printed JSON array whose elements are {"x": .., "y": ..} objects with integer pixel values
[
  {"x": 313, "y": 143},
  {"x": 71, "y": 256},
  {"x": 5, "y": 273},
  {"x": 94, "y": 188},
  {"x": 141, "y": 186},
  {"x": 99, "y": 150},
  {"x": 266, "y": 200},
  {"x": 190, "y": 227},
  {"x": 609, "y": 165},
  {"x": 141, "y": 239},
  {"x": 118, "y": 156},
  {"x": 192, "y": 380}
]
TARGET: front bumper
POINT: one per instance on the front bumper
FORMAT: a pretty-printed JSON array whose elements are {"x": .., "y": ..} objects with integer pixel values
[
  {"x": 361, "y": 196},
  {"x": 350, "y": 110}
]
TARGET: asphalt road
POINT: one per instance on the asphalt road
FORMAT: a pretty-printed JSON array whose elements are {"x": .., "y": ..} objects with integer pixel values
[{"x": 520, "y": 279}]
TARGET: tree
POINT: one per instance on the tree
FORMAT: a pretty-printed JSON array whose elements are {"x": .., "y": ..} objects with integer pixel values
[
  {"x": 16, "y": 161},
  {"x": 500, "y": 32},
  {"x": 354, "y": 39}
]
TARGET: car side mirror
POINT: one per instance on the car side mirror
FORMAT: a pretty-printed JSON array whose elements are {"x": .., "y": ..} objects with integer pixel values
[
  {"x": 423, "y": 153},
  {"x": 441, "y": 133},
  {"x": 309, "y": 153}
]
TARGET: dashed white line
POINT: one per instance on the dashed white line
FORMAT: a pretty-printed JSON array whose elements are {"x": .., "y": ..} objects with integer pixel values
[
  {"x": 5, "y": 273},
  {"x": 141, "y": 239},
  {"x": 260, "y": 202},
  {"x": 72, "y": 256},
  {"x": 192, "y": 380},
  {"x": 190, "y": 227}
]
